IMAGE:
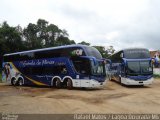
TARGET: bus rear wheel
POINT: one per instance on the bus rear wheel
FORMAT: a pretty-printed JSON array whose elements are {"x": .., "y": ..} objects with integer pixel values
[
  {"x": 69, "y": 84},
  {"x": 109, "y": 77},
  {"x": 13, "y": 82},
  {"x": 57, "y": 83}
]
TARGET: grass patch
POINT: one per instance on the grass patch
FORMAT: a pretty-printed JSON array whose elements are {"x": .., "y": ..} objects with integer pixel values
[{"x": 156, "y": 76}]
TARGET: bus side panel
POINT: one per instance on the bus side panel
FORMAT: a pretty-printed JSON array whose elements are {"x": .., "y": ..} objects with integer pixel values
[
  {"x": 29, "y": 79},
  {"x": 9, "y": 72},
  {"x": 28, "y": 82},
  {"x": 69, "y": 68},
  {"x": 116, "y": 71},
  {"x": 44, "y": 77}
]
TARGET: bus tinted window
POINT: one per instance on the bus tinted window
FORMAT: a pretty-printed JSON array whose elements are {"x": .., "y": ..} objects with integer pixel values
[
  {"x": 81, "y": 65},
  {"x": 25, "y": 56},
  {"x": 91, "y": 51},
  {"x": 47, "y": 54},
  {"x": 139, "y": 67},
  {"x": 45, "y": 70},
  {"x": 136, "y": 54},
  {"x": 63, "y": 52},
  {"x": 59, "y": 52},
  {"x": 55, "y": 70},
  {"x": 19, "y": 57}
]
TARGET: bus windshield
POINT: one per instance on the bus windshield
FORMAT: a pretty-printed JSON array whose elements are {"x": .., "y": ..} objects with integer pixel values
[
  {"x": 139, "y": 67},
  {"x": 98, "y": 69},
  {"x": 88, "y": 67},
  {"x": 91, "y": 51}
]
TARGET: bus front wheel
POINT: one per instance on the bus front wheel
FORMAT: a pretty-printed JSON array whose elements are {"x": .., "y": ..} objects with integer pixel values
[
  {"x": 120, "y": 81},
  {"x": 20, "y": 81},
  {"x": 69, "y": 84}
]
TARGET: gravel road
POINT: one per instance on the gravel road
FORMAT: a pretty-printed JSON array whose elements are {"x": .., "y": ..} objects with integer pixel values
[{"x": 113, "y": 98}]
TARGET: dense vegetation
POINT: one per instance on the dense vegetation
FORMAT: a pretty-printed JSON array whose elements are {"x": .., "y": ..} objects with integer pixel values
[
  {"x": 34, "y": 36},
  {"x": 0, "y": 77}
]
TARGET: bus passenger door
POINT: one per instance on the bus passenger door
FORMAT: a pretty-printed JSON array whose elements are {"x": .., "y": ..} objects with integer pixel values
[
  {"x": 82, "y": 69},
  {"x": 123, "y": 70}
]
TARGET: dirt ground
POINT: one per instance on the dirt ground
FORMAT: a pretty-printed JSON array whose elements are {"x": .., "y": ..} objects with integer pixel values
[{"x": 113, "y": 98}]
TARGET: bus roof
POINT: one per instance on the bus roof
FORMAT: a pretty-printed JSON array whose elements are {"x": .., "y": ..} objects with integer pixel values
[
  {"x": 134, "y": 48},
  {"x": 50, "y": 48},
  {"x": 129, "y": 49}
]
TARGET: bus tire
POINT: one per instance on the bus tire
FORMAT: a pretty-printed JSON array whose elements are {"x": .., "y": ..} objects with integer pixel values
[
  {"x": 57, "y": 83},
  {"x": 120, "y": 81},
  {"x": 20, "y": 81},
  {"x": 13, "y": 82},
  {"x": 69, "y": 84},
  {"x": 110, "y": 78}
]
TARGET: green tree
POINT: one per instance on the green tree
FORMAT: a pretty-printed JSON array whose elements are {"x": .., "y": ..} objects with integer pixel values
[
  {"x": 102, "y": 50},
  {"x": 52, "y": 31},
  {"x": 84, "y": 43},
  {"x": 39, "y": 35},
  {"x": 44, "y": 34},
  {"x": 64, "y": 41},
  {"x": 32, "y": 37},
  {"x": 10, "y": 40},
  {"x": 110, "y": 50}
]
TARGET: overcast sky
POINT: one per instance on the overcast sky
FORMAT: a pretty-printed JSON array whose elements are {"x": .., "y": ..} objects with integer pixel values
[{"x": 120, "y": 23}]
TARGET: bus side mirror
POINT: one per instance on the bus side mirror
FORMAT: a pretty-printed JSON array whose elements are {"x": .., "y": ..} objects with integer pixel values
[
  {"x": 94, "y": 61},
  {"x": 121, "y": 55},
  {"x": 123, "y": 64}
]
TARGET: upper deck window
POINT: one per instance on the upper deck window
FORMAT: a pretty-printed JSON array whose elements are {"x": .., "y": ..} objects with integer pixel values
[
  {"x": 136, "y": 54},
  {"x": 91, "y": 51}
]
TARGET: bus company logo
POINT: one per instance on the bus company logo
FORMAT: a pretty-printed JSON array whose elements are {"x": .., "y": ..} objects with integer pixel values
[
  {"x": 28, "y": 63},
  {"x": 47, "y": 62},
  {"x": 77, "y": 52},
  {"x": 37, "y": 63}
]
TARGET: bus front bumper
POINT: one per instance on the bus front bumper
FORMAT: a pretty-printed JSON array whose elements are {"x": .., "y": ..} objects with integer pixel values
[
  {"x": 88, "y": 83},
  {"x": 96, "y": 84},
  {"x": 128, "y": 81}
]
